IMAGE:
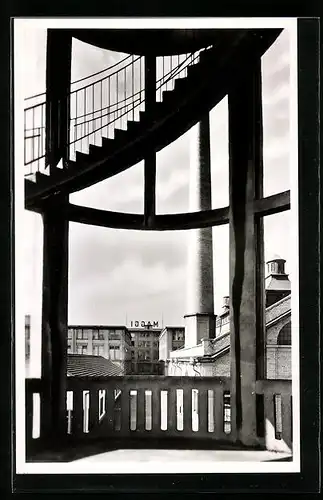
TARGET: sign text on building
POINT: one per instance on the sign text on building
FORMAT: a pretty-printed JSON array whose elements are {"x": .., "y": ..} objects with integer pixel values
[{"x": 144, "y": 324}]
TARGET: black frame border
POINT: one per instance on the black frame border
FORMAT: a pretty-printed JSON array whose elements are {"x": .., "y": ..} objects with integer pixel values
[{"x": 309, "y": 258}]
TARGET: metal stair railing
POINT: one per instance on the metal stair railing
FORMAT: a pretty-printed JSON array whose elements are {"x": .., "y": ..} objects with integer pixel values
[{"x": 100, "y": 107}]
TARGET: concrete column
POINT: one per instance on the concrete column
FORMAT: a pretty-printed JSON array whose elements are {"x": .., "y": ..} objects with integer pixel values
[
  {"x": 54, "y": 322},
  {"x": 58, "y": 79},
  {"x": 199, "y": 320},
  {"x": 150, "y": 158},
  {"x": 246, "y": 254}
]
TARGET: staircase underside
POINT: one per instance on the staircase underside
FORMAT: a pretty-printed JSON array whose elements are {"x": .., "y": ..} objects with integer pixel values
[
  {"x": 149, "y": 41},
  {"x": 208, "y": 82}
]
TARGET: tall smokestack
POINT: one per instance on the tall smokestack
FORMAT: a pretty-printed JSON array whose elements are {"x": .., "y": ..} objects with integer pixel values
[{"x": 200, "y": 320}]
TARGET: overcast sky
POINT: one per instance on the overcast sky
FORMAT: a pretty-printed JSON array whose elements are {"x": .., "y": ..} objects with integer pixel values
[{"x": 142, "y": 275}]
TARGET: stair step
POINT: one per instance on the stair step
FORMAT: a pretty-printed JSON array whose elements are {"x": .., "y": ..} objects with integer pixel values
[
  {"x": 94, "y": 150},
  {"x": 180, "y": 85},
  {"x": 81, "y": 158},
  {"x": 133, "y": 127},
  {"x": 193, "y": 71},
  {"x": 30, "y": 187},
  {"x": 107, "y": 143},
  {"x": 119, "y": 134},
  {"x": 168, "y": 96},
  {"x": 57, "y": 173},
  {"x": 41, "y": 178}
]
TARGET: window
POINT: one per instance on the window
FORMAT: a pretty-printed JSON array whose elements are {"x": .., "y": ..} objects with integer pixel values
[
  {"x": 79, "y": 349},
  {"x": 273, "y": 267},
  {"x": 98, "y": 350},
  {"x": 284, "y": 336},
  {"x": 84, "y": 349},
  {"x": 69, "y": 349},
  {"x": 69, "y": 334},
  {"x": 114, "y": 352},
  {"x": 113, "y": 335},
  {"x": 82, "y": 334},
  {"x": 95, "y": 335},
  {"x": 178, "y": 335}
]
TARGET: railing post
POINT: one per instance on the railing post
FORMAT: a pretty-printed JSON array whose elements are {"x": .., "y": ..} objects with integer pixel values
[
  {"x": 156, "y": 409},
  {"x": 94, "y": 409},
  {"x": 29, "y": 416},
  {"x": 150, "y": 158}
]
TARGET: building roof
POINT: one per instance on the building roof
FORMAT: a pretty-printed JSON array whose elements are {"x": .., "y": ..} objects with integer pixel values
[
  {"x": 146, "y": 329},
  {"x": 274, "y": 257},
  {"x": 81, "y": 365},
  {"x": 221, "y": 344},
  {"x": 277, "y": 282},
  {"x": 95, "y": 327}
]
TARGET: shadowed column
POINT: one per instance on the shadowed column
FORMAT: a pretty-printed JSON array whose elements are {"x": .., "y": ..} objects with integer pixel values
[{"x": 246, "y": 253}]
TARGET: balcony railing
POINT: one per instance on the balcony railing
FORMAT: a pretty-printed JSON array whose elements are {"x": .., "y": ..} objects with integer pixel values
[{"x": 163, "y": 407}]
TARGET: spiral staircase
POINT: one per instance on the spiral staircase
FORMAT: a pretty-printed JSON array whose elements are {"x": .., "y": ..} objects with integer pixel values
[{"x": 107, "y": 138}]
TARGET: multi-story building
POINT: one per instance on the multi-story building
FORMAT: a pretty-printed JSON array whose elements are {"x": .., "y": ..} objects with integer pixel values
[
  {"x": 110, "y": 342},
  {"x": 171, "y": 338},
  {"x": 145, "y": 350}
]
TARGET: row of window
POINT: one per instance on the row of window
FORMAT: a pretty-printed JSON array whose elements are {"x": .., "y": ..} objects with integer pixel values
[
  {"x": 146, "y": 343},
  {"x": 222, "y": 321},
  {"x": 97, "y": 350},
  {"x": 145, "y": 355},
  {"x": 84, "y": 334},
  {"x": 144, "y": 335}
]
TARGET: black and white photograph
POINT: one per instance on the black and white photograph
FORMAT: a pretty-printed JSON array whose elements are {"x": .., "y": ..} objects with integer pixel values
[{"x": 156, "y": 257}]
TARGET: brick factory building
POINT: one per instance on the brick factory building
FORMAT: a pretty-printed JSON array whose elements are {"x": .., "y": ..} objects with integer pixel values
[{"x": 211, "y": 356}]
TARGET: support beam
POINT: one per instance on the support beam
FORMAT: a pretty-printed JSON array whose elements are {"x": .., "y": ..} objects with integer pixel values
[
  {"x": 273, "y": 204},
  {"x": 54, "y": 322},
  {"x": 245, "y": 143},
  {"x": 150, "y": 157},
  {"x": 191, "y": 220},
  {"x": 58, "y": 80}
]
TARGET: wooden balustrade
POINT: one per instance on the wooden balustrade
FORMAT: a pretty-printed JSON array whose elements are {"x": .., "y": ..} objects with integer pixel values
[
  {"x": 164, "y": 407},
  {"x": 277, "y": 413},
  {"x": 150, "y": 406}
]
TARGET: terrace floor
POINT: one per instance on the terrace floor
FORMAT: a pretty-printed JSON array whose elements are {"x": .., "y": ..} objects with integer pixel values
[
  {"x": 189, "y": 456},
  {"x": 143, "y": 450}
]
